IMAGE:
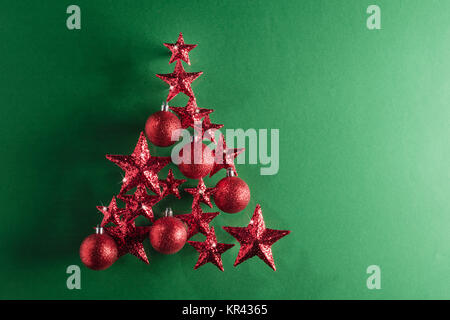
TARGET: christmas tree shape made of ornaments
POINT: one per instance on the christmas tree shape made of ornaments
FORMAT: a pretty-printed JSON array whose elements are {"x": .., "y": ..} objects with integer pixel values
[{"x": 118, "y": 234}]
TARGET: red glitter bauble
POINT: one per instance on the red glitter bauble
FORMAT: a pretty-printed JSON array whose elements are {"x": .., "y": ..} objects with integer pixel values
[
  {"x": 197, "y": 160},
  {"x": 98, "y": 251},
  {"x": 160, "y": 127},
  {"x": 232, "y": 194},
  {"x": 168, "y": 235}
]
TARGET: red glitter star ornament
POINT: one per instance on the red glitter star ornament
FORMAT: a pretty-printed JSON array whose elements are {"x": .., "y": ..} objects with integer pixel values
[
  {"x": 197, "y": 221},
  {"x": 129, "y": 239},
  {"x": 179, "y": 81},
  {"x": 118, "y": 232},
  {"x": 140, "y": 167},
  {"x": 206, "y": 129},
  {"x": 256, "y": 239},
  {"x": 139, "y": 204},
  {"x": 201, "y": 193},
  {"x": 180, "y": 50},
  {"x": 191, "y": 113},
  {"x": 224, "y": 157},
  {"x": 210, "y": 250},
  {"x": 170, "y": 185},
  {"x": 111, "y": 213}
]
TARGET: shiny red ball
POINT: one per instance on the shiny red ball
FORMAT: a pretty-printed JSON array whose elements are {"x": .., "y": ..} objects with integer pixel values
[
  {"x": 197, "y": 160},
  {"x": 168, "y": 235},
  {"x": 160, "y": 126},
  {"x": 98, "y": 251},
  {"x": 232, "y": 194}
]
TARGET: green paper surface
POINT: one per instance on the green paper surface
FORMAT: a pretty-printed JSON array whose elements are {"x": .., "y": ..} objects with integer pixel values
[{"x": 363, "y": 117}]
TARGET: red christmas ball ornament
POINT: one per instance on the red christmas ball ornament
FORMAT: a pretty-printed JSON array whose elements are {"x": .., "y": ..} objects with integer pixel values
[
  {"x": 168, "y": 234},
  {"x": 98, "y": 251},
  {"x": 197, "y": 160},
  {"x": 161, "y": 126},
  {"x": 232, "y": 193}
]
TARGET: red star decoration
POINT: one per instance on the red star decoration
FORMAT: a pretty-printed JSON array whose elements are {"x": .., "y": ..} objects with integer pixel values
[
  {"x": 170, "y": 185},
  {"x": 140, "y": 167},
  {"x": 180, "y": 50},
  {"x": 179, "y": 81},
  {"x": 119, "y": 231},
  {"x": 210, "y": 250},
  {"x": 129, "y": 239},
  {"x": 139, "y": 204},
  {"x": 207, "y": 129},
  {"x": 191, "y": 113},
  {"x": 201, "y": 193},
  {"x": 224, "y": 157},
  {"x": 256, "y": 239},
  {"x": 197, "y": 221},
  {"x": 110, "y": 213}
]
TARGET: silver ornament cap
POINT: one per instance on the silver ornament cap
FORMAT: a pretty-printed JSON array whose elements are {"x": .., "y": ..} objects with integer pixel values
[
  {"x": 165, "y": 106},
  {"x": 230, "y": 172},
  {"x": 168, "y": 212},
  {"x": 98, "y": 229}
]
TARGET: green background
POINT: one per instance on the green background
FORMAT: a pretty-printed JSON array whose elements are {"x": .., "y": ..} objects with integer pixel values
[{"x": 364, "y": 142}]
